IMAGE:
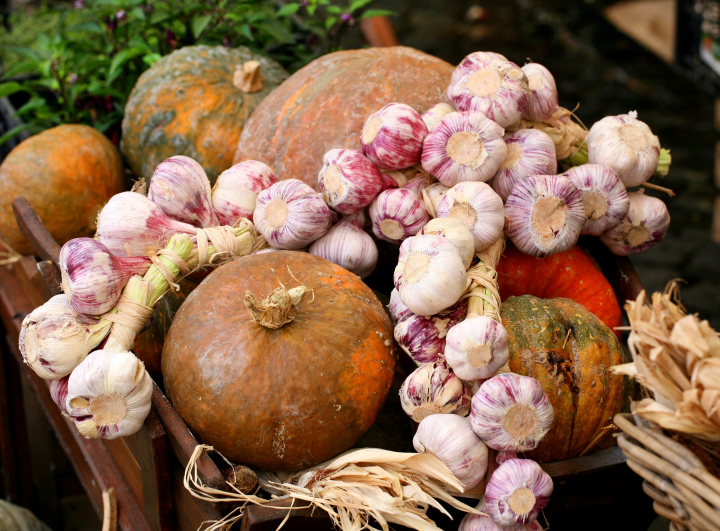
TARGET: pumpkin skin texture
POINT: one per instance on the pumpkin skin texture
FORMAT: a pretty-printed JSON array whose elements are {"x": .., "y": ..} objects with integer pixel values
[
  {"x": 325, "y": 104},
  {"x": 282, "y": 399},
  {"x": 67, "y": 173},
  {"x": 186, "y": 104},
  {"x": 574, "y": 372}
]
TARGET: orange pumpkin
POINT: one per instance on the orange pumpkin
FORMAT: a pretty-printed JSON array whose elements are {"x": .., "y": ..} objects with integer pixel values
[
  {"x": 67, "y": 173},
  {"x": 325, "y": 104}
]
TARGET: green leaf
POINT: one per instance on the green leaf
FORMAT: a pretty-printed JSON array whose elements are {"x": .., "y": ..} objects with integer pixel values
[
  {"x": 335, "y": 10},
  {"x": 357, "y": 4},
  {"x": 287, "y": 10},
  {"x": 330, "y": 22},
  {"x": 199, "y": 24},
  {"x": 138, "y": 14},
  {"x": 276, "y": 31},
  {"x": 151, "y": 58},
  {"x": 31, "y": 105},
  {"x": 377, "y": 13},
  {"x": 7, "y": 89},
  {"x": 23, "y": 51},
  {"x": 15, "y": 131},
  {"x": 122, "y": 57},
  {"x": 311, "y": 9},
  {"x": 159, "y": 16},
  {"x": 246, "y": 32},
  {"x": 90, "y": 27}
]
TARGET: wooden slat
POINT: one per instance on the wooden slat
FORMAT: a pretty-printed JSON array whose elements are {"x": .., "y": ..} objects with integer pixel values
[
  {"x": 34, "y": 231},
  {"x": 582, "y": 465},
  {"x": 268, "y": 517},
  {"x": 127, "y": 464},
  {"x": 152, "y": 448},
  {"x": 189, "y": 511}
]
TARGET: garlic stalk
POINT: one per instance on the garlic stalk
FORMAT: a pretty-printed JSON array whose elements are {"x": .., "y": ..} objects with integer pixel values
[
  {"x": 476, "y": 348},
  {"x": 58, "y": 392},
  {"x": 645, "y": 224},
  {"x": 393, "y": 137},
  {"x": 435, "y": 114},
  {"x": 397, "y": 214},
  {"x": 456, "y": 233},
  {"x": 529, "y": 152},
  {"x": 517, "y": 492},
  {"x": 603, "y": 194},
  {"x": 431, "y": 389},
  {"x": 543, "y": 99},
  {"x": 432, "y": 195},
  {"x": 476, "y": 522},
  {"x": 236, "y": 189},
  {"x": 348, "y": 245}
]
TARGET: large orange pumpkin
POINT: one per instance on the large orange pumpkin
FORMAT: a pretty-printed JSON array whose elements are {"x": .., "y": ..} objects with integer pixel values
[
  {"x": 325, "y": 104},
  {"x": 285, "y": 398},
  {"x": 67, "y": 173},
  {"x": 191, "y": 103}
]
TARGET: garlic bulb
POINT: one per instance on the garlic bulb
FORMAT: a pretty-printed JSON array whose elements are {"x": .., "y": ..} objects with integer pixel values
[
  {"x": 626, "y": 145},
  {"x": 456, "y": 233},
  {"x": 58, "y": 392},
  {"x": 529, "y": 152},
  {"x": 476, "y": 348},
  {"x": 435, "y": 114},
  {"x": 544, "y": 215},
  {"x": 398, "y": 310},
  {"x": 291, "y": 215},
  {"x": 604, "y": 197},
  {"x": 479, "y": 208},
  {"x": 397, "y": 214},
  {"x": 416, "y": 184},
  {"x": 393, "y": 137},
  {"x": 543, "y": 99},
  {"x": 451, "y": 439},
  {"x": 511, "y": 412},
  {"x": 236, "y": 189},
  {"x": 645, "y": 224},
  {"x": 348, "y": 245},
  {"x": 132, "y": 224},
  {"x": 495, "y": 87},
  {"x": 433, "y": 388},
  {"x": 430, "y": 275},
  {"x": 475, "y": 522},
  {"x": 93, "y": 278},
  {"x": 109, "y": 394},
  {"x": 517, "y": 491},
  {"x": 464, "y": 146},
  {"x": 423, "y": 338},
  {"x": 432, "y": 195},
  {"x": 180, "y": 187}
]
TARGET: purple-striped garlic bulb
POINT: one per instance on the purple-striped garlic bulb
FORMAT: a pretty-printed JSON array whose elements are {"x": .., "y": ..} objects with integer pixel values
[
  {"x": 451, "y": 439},
  {"x": 432, "y": 195},
  {"x": 393, "y": 137},
  {"x": 58, "y": 392},
  {"x": 476, "y": 522},
  {"x": 236, "y": 189},
  {"x": 132, "y": 223},
  {"x": 423, "y": 338},
  {"x": 180, "y": 187},
  {"x": 435, "y": 114},
  {"x": 516, "y": 493},
  {"x": 398, "y": 214},
  {"x": 93, "y": 278},
  {"x": 433, "y": 388},
  {"x": 626, "y": 145},
  {"x": 544, "y": 215},
  {"x": 476, "y": 348},
  {"x": 457, "y": 233},
  {"x": 430, "y": 275},
  {"x": 604, "y": 197},
  {"x": 543, "y": 100},
  {"x": 398, "y": 310},
  {"x": 511, "y": 412},
  {"x": 479, "y": 208},
  {"x": 645, "y": 225},
  {"x": 464, "y": 146},
  {"x": 348, "y": 245},
  {"x": 495, "y": 87},
  {"x": 291, "y": 214},
  {"x": 529, "y": 152}
]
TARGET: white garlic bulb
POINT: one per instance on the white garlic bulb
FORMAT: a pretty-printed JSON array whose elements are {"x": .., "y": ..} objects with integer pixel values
[
  {"x": 476, "y": 348},
  {"x": 430, "y": 275},
  {"x": 626, "y": 145},
  {"x": 543, "y": 100},
  {"x": 432, "y": 195},
  {"x": 58, "y": 392},
  {"x": 476, "y": 522},
  {"x": 348, "y": 245},
  {"x": 436, "y": 113},
  {"x": 397, "y": 214},
  {"x": 433, "y": 388},
  {"x": 645, "y": 225},
  {"x": 517, "y": 491},
  {"x": 456, "y": 233},
  {"x": 529, "y": 152},
  {"x": 393, "y": 137},
  {"x": 235, "y": 192},
  {"x": 109, "y": 394},
  {"x": 451, "y": 439},
  {"x": 398, "y": 310},
  {"x": 604, "y": 197}
]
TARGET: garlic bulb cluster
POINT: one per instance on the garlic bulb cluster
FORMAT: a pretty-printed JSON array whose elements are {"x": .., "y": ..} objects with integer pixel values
[
  {"x": 236, "y": 189},
  {"x": 476, "y": 522},
  {"x": 543, "y": 97},
  {"x": 645, "y": 224},
  {"x": 397, "y": 214},
  {"x": 626, "y": 145},
  {"x": 433, "y": 388},
  {"x": 291, "y": 215},
  {"x": 604, "y": 197},
  {"x": 393, "y": 137},
  {"x": 476, "y": 348},
  {"x": 517, "y": 491},
  {"x": 529, "y": 152},
  {"x": 432, "y": 195},
  {"x": 456, "y": 233},
  {"x": 348, "y": 245},
  {"x": 436, "y": 113}
]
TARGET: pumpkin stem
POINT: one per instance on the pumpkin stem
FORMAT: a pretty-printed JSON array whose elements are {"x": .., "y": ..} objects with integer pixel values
[
  {"x": 278, "y": 308},
  {"x": 247, "y": 77}
]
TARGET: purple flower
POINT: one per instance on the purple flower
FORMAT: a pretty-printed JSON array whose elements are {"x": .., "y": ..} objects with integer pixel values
[
  {"x": 346, "y": 17},
  {"x": 72, "y": 79},
  {"x": 170, "y": 38},
  {"x": 304, "y": 3},
  {"x": 111, "y": 24},
  {"x": 79, "y": 4},
  {"x": 226, "y": 42},
  {"x": 120, "y": 15}
]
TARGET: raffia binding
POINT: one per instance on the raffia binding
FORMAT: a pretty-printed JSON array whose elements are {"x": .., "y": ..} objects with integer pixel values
[
  {"x": 482, "y": 282},
  {"x": 132, "y": 316},
  {"x": 175, "y": 259}
]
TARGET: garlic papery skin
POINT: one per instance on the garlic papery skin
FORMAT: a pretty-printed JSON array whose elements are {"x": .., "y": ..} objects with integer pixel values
[
  {"x": 432, "y": 195},
  {"x": 93, "y": 278},
  {"x": 423, "y": 338},
  {"x": 54, "y": 338},
  {"x": 529, "y": 152},
  {"x": 517, "y": 491},
  {"x": 291, "y": 215},
  {"x": 58, "y": 392},
  {"x": 464, "y": 146},
  {"x": 476, "y": 348},
  {"x": 131, "y": 224},
  {"x": 476, "y": 522},
  {"x": 398, "y": 310},
  {"x": 435, "y": 114},
  {"x": 645, "y": 224},
  {"x": 430, "y": 275},
  {"x": 397, "y": 214},
  {"x": 431, "y": 389},
  {"x": 235, "y": 192},
  {"x": 626, "y": 145},
  {"x": 348, "y": 245},
  {"x": 511, "y": 412},
  {"x": 451, "y": 439},
  {"x": 456, "y": 233},
  {"x": 604, "y": 197},
  {"x": 477, "y": 207},
  {"x": 109, "y": 394},
  {"x": 544, "y": 215},
  {"x": 393, "y": 137},
  {"x": 543, "y": 98},
  {"x": 180, "y": 187},
  {"x": 496, "y": 88}
]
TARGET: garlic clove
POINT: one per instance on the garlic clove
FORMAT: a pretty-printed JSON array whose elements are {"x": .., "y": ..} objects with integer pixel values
[
  {"x": 529, "y": 152},
  {"x": 435, "y": 114},
  {"x": 451, "y": 439},
  {"x": 109, "y": 394},
  {"x": 58, "y": 392},
  {"x": 456, "y": 233},
  {"x": 645, "y": 224},
  {"x": 397, "y": 214},
  {"x": 604, "y": 197},
  {"x": 432, "y": 195},
  {"x": 476, "y": 522},
  {"x": 398, "y": 310},
  {"x": 393, "y": 136},
  {"x": 430, "y": 275},
  {"x": 348, "y": 245},
  {"x": 511, "y": 412},
  {"x": 464, "y": 146},
  {"x": 544, "y": 215},
  {"x": 431, "y": 389},
  {"x": 543, "y": 97},
  {"x": 517, "y": 491},
  {"x": 476, "y": 348},
  {"x": 235, "y": 192}
]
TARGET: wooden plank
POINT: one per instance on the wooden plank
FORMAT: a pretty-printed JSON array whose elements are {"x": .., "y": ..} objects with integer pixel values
[
  {"x": 52, "y": 285},
  {"x": 582, "y": 465},
  {"x": 650, "y": 22},
  {"x": 267, "y": 517},
  {"x": 28, "y": 274},
  {"x": 190, "y": 512},
  {"x": 127, "y": 464},
  {"x": 153, "y": 457},
  {"x": 34, "y": 231}
]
